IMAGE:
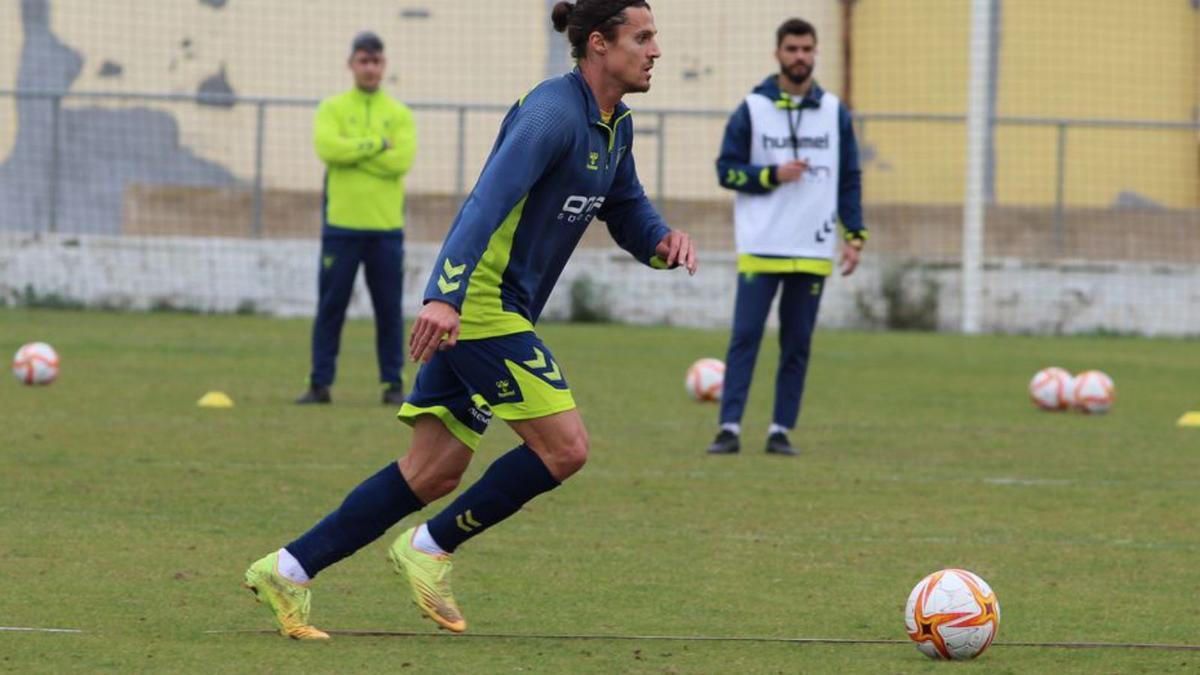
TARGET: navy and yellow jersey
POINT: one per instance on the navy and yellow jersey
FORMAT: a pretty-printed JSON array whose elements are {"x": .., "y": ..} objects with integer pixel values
[{"x": 555, "y": 166}]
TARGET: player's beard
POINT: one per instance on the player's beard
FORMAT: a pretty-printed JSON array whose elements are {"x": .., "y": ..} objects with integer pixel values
[
  {"x": 797, "y": 74},
  {"x": 636, "y": 85}
]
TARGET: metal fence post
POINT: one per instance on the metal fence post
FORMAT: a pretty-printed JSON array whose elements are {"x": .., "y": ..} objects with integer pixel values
[
  {"x": 1060, "y": 178},
  {"x": 660, "y": 170},
  {"x": 460, "y": 172},
  {"x": 979, "y": 122},
  {"x": 52, "y": 188},
  {"x": 259, "y": 144}
]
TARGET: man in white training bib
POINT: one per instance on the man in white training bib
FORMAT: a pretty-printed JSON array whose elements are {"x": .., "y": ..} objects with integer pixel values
[{"x": 789, "y": 152}]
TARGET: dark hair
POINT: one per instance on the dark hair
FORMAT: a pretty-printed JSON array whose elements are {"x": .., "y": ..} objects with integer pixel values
[
  {"x": 368, "y": 42},
  {"x": 584, "y": 17},
  {"x": 794, "y": 26}
]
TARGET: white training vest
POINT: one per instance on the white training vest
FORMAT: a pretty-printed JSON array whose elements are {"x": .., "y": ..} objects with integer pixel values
[{"x": 798, "y": 219}]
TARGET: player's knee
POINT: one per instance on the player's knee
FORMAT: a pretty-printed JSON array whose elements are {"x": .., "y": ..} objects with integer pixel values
[
  {"x": 572, "y": 455},
  {"x": 441, "y": 486},
  {"x": 438, "y": 483},
  {"x": 429, "y": 481}
]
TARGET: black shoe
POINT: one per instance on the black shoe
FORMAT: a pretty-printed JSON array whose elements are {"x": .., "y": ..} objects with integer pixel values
[
  {"x": 777, "y": 444},
  {"x": 394, "y": 394},
  {"x": 726, "y": 443},
  {"x": 315, "y": 395}
]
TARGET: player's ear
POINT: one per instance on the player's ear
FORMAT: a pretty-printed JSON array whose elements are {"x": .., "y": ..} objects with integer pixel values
[{"x": 597, "y": 43}]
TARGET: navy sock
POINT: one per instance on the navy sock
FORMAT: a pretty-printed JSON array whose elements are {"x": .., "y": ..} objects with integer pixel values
[
  {"x": 507, "y": 485},
  {"x": 368, "y": 511}
]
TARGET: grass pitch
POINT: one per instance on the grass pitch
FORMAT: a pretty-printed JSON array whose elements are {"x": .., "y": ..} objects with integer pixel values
[{"x": 129, "y": 513}]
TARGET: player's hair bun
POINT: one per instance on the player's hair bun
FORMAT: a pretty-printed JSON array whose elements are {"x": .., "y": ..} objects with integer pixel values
[{"x": 561, "y": 15}]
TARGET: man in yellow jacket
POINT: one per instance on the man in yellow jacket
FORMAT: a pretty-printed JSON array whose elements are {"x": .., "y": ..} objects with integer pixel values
[{"x": 367, "y": 141}]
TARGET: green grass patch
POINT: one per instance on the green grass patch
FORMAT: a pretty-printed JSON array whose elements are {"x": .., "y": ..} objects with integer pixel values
[{"x": 129, "y": 513}]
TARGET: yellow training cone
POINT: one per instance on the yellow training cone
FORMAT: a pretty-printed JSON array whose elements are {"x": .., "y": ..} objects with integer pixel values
[
  {"x": 215, "y": 399},
  {"x": 1189, "y": 419}
]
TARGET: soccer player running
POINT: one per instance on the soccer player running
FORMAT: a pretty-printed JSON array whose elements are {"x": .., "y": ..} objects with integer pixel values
[
  {"x": 789, "y": 152},
  {"x": 563, "y": 157}
]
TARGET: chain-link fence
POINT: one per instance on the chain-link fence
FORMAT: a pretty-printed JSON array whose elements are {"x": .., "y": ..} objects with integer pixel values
[{"x": 159, "y": 153}]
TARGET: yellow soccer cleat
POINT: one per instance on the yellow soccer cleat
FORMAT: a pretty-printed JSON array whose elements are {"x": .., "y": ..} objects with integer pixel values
[
  {"x": 289, "y": 601},
  {"x": 429, "y": 576}
]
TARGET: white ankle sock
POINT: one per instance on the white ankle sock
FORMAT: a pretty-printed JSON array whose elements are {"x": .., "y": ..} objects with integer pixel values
[
  {"x": 291, "y": 569},
  {"x": 423, "y": 541},
  {"x": 732, "y": 427},
  {"x": 777, "y": 429}
]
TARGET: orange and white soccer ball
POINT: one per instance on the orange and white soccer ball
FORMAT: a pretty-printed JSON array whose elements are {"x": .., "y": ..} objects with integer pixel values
[
  {"x": 952, "y": 614},
  {"x": 1093, "y": 392},
  {"x": 35, "y": 363},
  {"x": 1050, "y": 387},
  {"x": 705, "y": 380}
]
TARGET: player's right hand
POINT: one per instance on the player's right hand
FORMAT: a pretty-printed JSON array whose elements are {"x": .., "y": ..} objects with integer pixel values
[
  {"x": 436, "y": 328},
  {"x": 790, "y": 171}
]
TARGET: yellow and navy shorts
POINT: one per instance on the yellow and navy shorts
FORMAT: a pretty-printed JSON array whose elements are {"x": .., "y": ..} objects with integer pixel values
[{"x": 513, "y": 376}]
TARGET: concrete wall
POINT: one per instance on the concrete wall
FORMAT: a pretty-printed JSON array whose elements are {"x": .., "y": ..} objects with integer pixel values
[{"x": 279, "y": 277}]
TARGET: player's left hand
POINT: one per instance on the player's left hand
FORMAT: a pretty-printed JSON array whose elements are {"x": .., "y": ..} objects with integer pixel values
[
  {"x": 849, "y": 261},
  {"x": 677, "y": 249}
]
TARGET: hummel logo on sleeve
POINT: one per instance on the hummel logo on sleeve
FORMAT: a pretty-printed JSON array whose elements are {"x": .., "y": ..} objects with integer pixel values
[{"x": 446, "y": 282}]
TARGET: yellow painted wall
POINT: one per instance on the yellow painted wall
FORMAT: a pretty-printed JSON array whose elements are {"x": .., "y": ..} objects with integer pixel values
[
  {"x": 911, "y": 57},
  {"x": 488, "y": 51},
  {"x": 1059, "y": 58},
  {"x": 1091, "y": 59},
  {"x": 10, "y": 50}
]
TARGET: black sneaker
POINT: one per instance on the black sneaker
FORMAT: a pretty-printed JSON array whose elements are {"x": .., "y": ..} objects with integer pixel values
[
  {"x": 726, "y": 443},
  {"x": 778, "y": 444},
  {"x": 315, "y": 395},
  {"x": 393, "y": 394}
]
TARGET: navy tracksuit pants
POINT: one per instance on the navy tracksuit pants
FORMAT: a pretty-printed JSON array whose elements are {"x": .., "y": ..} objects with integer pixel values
[
  {"x": 382, "y": 257},
  {"x": 797, "y": 318}
]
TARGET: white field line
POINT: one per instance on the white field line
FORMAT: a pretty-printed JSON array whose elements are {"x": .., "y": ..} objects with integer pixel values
[
  {"x": 23, "y": 629},
  {"x": 714, "y": 638},
  {"x": 1120, "y": 544}
]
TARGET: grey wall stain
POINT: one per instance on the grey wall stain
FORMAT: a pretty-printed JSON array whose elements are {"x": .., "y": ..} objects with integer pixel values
[
  {"x": 415, "y": 13},
  {"x": 100, "y": 151},
  {"x": 215, "y": 90},
  {"x": 215, "y": 4},
  {"x": 1129, "y": 199},
  {"x": 111, "y": 69}
]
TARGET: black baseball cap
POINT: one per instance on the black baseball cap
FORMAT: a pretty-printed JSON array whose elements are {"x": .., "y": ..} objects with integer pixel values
[{"x": 366, "y": 41}]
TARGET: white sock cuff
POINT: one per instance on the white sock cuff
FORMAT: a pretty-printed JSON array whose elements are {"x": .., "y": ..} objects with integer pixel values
[
  {"x": 423, "y": 541},
  {"x": 733, "y": 427},
  {"x": 291, "y": 569},
  {"x": 777, "y": 429}
]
